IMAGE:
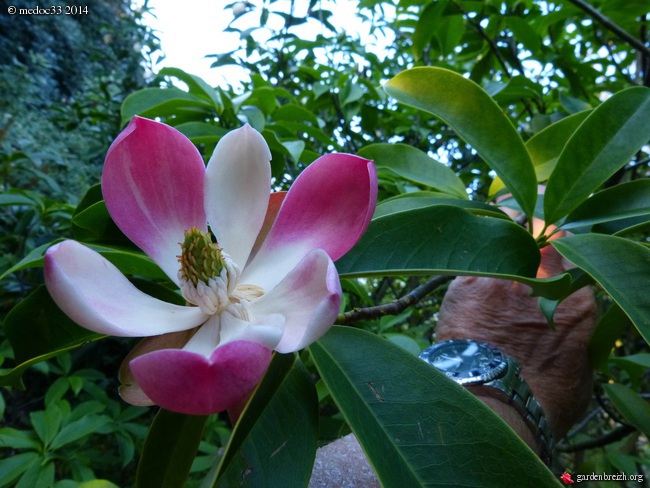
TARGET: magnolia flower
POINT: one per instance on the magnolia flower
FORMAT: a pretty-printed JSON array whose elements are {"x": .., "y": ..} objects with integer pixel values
[{"x": 262, "y": 280}]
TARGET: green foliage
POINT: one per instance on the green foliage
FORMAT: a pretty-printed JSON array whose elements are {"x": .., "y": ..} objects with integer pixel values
[{"x": 499, "y": 96}]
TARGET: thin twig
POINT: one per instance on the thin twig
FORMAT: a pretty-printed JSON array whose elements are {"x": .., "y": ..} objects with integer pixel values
[
  {"x": 396, "y": 306},
  {"x": 612, "y": 26},
  {"x": 609, "y": 438}
]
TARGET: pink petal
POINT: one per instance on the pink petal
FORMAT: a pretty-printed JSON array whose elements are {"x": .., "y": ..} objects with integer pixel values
[
  {"x": 190, "y": 383},
  {"x": 153, "y": 187},
  {"x": 97, "y": 296},
  {"x": 309, "y": 298},
  {"x": 275, "y": 202},
  {"x": 237, "y": 188},
  {"x": 129, "y": 389},
  {"x": 328, "y": 207}
]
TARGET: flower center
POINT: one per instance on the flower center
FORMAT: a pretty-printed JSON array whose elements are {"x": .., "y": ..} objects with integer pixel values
[
  {"x": 201, "y": 259},
  {"x": 208, "y": 277}
]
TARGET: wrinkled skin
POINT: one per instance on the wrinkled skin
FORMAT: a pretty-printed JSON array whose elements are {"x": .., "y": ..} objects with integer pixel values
[{"x": 554, "y": 363}]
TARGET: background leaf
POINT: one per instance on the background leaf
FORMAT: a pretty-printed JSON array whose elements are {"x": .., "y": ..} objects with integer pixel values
[
  {"x": 414, "y": 165},
  {"x": 634, "y": 409}
]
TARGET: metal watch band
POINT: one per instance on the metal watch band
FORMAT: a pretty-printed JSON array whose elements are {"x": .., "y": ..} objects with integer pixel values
[{"x": 522, "y": 399}]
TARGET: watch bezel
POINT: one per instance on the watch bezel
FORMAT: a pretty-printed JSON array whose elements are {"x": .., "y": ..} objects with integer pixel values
[{"x": 497, "y": 366}]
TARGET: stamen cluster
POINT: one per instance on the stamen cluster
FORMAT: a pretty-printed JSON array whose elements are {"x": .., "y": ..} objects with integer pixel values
[{"x": 200, "y": 258}]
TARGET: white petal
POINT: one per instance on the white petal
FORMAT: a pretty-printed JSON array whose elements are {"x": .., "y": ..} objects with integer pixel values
[
  {"x": 308, "y": 298},
  {"x": 97, "y": 296},
  {"x": 237, "y": 189},
  {"x": 224, "y": 328}
]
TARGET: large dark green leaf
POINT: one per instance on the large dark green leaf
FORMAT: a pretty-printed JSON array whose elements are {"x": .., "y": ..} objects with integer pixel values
[
  {"x": 274, "y": 442},
  {"x": 476, "y": 118},
  {"x": 604, "y": 142},
  {"x": 37, "y": 330},
  {"x": 622, "y": 267},
  {"x": 418, "y": 427},
  {"x": 443, "y": 239},
  {"x": 414, "y": 165},
  {"x": 631, "y": 199},
  {"x": 634, "y": 409},
  {"x": 169, "y": 450}
]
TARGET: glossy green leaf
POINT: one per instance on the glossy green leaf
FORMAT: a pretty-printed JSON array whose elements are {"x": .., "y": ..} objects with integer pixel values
[
  {"x": 622, "y": 267},
  {"x": 604, "y": 142},
  {"x": 274, "y": 441},
  {"x": 476, "y": 118},
  {"x": 426, "y": 26},
  {"x": 418, "y": 427},
  {"x": 631, "y": 199},
  {"x": 444, "y": 239},
  {"x": 169, "y": 450},
  {"x": 629, "y": 403},
  {"x": 156, "y": 102},
  {"x": 414, "y": 165}
]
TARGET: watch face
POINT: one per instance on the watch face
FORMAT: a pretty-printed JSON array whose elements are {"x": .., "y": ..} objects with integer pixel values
[{"x": 466, "y": 362}]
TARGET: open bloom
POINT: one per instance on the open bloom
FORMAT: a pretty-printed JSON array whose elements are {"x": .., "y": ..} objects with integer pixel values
[{"x": 262, "y": 280}]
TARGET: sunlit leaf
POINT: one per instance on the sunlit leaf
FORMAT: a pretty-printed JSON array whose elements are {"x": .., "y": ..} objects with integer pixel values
[
  {"x": 604, "y": 142},
  {"x": 476, "y": 118}
]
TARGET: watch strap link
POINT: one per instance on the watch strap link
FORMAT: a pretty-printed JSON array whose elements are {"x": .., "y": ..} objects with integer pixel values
[{"x": 522, "y": 399}]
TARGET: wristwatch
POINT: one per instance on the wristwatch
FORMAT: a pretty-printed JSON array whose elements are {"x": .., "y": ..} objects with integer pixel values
[{"x": 479, "y": 365}]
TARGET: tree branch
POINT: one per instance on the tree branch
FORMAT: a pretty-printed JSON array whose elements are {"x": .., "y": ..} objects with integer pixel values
[
  {"x": 604, "y": 440},
  {"x": 396, "y": 306},
  {"x": 612, "y": 26}
]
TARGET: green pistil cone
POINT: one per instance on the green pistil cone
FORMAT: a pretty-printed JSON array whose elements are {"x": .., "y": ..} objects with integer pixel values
[{"x": 200, "y": 258}]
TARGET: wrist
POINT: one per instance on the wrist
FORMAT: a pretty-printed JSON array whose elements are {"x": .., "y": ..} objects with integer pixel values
[{"x": 493, "y": 376}]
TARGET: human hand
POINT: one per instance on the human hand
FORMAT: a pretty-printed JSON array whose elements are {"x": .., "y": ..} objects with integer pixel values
[{"x": 554, "y": 363}]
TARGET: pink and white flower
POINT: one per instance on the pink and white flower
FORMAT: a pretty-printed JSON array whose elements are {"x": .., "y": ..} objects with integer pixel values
[{"x": 267, "y": 283}]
